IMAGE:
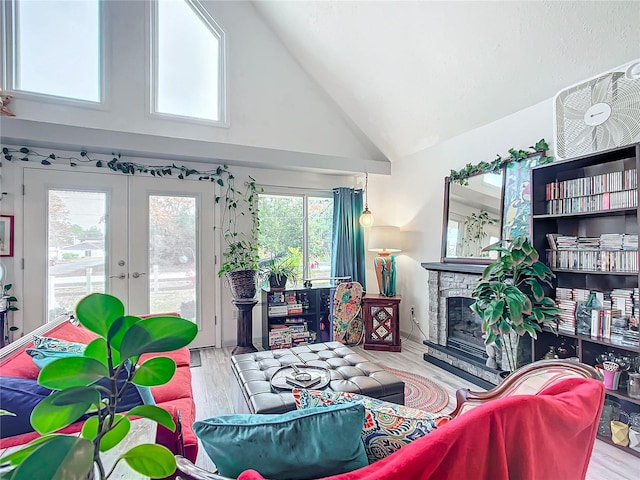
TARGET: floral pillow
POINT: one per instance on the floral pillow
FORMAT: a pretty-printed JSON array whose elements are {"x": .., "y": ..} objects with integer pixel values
[
  {"x": 387, "y": 426},
  {"x": 46, "y": 349}
]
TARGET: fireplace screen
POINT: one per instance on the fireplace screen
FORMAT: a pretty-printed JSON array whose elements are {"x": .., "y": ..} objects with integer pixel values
[{"x": 464, "y": 328}]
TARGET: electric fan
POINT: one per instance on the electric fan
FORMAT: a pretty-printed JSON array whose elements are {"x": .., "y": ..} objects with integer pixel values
[{"x": 598, "y": 114}]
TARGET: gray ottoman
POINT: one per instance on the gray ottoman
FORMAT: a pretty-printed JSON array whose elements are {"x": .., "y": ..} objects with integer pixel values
[{"x": 250, "y": 383}]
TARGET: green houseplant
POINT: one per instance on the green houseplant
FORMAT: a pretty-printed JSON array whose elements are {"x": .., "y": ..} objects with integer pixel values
[
  {"x": 122, "y": 339},
  {"x": 510, "y": 297},
  {"x": 278, "y": 270},
  {"x": 240, "y": 265}
]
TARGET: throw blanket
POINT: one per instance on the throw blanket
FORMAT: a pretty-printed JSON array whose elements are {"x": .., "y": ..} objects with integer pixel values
[{"x": 550, "y": 435}]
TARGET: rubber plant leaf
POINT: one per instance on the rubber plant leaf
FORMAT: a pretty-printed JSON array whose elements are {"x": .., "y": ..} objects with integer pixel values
[
  {"x": 157, "y": 414},
  {"x": 71, "y": 372},
  {"x": 154, "y": 461},
  {"x": 62, "y": 458},
  {"x": 98, "y": 311},
  {"x": 62, "y": 408},
  {"x": 157, "y": 334},
  {"x": 155, "y": 371}
]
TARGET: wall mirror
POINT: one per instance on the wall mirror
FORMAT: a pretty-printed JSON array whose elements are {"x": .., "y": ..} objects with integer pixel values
[{"x": 472, "y": 218}]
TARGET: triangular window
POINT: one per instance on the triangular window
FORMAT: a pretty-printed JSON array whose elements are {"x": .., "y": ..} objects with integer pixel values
[{"x": 187, "y": 61}]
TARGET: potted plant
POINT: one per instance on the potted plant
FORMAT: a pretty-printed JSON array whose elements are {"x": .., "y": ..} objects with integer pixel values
[
  {"x": 279, "y": 270},
  {"x": 122, "y": 339},
  {"x": 240, "y": 265},
  {"x": 510, "y": 297}
]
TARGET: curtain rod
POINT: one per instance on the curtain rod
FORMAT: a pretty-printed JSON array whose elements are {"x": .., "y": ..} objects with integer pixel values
[{"x": 295, "y": 188}]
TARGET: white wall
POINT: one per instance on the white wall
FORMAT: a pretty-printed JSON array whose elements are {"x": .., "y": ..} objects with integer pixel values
[
  {"x": 413, "y": 197},
  {"x": 272, "y": 103}
]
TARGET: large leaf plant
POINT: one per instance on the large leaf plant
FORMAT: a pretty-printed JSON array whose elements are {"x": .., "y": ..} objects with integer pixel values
[
  {"x": 510, "y": 296},
  {"x": 122, "y": 340}
]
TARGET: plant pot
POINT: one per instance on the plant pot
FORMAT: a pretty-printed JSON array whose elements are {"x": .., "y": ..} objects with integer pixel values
[
  {"x": 242, "y": 283},
  {"x": 277, "y": 282}
]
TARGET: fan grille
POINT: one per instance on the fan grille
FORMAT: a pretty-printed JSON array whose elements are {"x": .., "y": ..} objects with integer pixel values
[{"x": 575, "y": 138}]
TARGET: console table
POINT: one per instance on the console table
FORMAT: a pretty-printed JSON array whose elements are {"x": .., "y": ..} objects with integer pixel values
[{"x": 381, "y": 322}]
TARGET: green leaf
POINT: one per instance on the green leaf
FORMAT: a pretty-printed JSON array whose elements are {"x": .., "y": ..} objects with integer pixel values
[
  {"x": 61, "y": 458},
  {"x": 7, "y": 413},
  {"x": 114, "y": 436},
  {"x": 16, "y": 458},
  {"x": 119, "y": 328},
  {"x": 154, "y": 461},
  {"x": 155, "y": 371},
  {"x": 59, "y": 409},
  {"x": 157, "y": 334},
  {"x": 518, "y": 256},
  {"x": 71, "y": 372},
  {"x": 90, "y": 428},
  {"x": 157, "y": 414},
  {"x": 97, "y": 350},
  {"x": 98, "y": 311}
]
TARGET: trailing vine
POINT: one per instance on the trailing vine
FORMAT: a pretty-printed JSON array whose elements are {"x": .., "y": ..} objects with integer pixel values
[
  {"x": 461, "y": 176},
  {"x": 241, "y": 249}
]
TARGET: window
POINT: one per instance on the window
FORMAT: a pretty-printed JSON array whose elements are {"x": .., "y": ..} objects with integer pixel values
[
  {"x": 54, "y": 48},
  {"x": 187, "y": 61},
  {"x": 301, "y": 226}
]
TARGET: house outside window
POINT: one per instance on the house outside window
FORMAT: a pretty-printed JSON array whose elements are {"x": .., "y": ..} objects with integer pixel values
[
  {"x": 298, "y": 226},
  {"x": 187, "y": 62},
  {"x": 53, "y": 49}
]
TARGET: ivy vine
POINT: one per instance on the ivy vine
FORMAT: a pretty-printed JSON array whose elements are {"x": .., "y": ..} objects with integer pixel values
[
  {"x": 461, "y": 176},
  {"x": 241, "y": 248}
]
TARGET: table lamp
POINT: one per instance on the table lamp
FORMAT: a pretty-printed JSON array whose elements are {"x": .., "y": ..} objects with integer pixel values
[{"x": 385, "y": 240}]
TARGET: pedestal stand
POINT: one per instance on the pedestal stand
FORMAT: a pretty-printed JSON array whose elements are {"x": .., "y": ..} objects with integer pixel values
[{"x": 245, "y": 324}]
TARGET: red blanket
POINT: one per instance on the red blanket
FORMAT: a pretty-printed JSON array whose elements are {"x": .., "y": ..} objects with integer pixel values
[{"x": 550, "y": 435}]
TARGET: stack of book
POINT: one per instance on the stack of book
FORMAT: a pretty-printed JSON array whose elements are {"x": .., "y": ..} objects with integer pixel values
[{"x": 280, "y": 337}]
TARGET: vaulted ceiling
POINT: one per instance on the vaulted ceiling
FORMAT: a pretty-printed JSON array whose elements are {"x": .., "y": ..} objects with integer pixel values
[{"x": 412, "y": 74}]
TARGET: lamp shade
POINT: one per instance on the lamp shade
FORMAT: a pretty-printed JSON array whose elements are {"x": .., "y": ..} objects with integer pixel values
[{"x": 384, "y": 239}]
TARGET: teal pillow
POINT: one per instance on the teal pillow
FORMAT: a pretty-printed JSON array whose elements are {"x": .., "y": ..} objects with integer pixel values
[
  {"x": 302, "y": 444},
  {"x": 45, "y": 350}
]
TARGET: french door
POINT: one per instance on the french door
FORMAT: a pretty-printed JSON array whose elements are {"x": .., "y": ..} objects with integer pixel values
[{"x": 148, "y": 241}]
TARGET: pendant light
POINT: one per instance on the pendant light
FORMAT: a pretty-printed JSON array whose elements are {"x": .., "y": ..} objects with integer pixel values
[{"x": 366, "y": 219}]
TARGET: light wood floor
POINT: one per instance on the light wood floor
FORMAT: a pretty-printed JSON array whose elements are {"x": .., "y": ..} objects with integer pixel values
[{"x": 211, "y": 383}]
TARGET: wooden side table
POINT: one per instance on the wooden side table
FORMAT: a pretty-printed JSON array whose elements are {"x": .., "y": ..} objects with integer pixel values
[{"x": 381, "y": 323}]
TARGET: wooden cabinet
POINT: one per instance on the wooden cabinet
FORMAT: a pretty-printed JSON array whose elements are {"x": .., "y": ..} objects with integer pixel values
[
  {"x": 585, "y": 227},
  {"x": 296, "y": 317},
  {"x": 381, "y": 323}
]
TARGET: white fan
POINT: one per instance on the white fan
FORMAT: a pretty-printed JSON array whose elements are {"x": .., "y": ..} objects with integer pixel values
[{"x": 598, "y": 114}]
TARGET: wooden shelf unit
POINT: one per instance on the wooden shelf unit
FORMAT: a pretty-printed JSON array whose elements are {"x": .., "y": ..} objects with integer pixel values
[{"x": 586, "y": 224}]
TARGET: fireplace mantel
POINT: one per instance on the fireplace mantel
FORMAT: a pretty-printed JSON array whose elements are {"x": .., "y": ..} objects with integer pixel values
[{"x": 454, "y": 267}]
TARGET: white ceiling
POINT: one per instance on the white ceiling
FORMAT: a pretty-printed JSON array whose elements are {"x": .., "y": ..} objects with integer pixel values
[{"x": 413, "y": 74}]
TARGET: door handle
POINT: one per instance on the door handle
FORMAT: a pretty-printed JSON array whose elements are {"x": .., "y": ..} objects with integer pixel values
[
  {"x": 122, "y": 276},
  {"x": 137, "y": 274}
]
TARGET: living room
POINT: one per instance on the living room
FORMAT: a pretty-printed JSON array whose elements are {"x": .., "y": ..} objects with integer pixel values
[{"x": 300, "y": 118}]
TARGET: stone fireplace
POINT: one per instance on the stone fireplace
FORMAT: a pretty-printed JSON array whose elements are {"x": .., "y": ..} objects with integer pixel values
[{"x": 455, "y": 335}]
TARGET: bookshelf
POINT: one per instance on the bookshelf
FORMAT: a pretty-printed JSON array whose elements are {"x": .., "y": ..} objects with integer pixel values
[
  {"x": 296, "y": 317},
  {"x": 585, "y": 226}
]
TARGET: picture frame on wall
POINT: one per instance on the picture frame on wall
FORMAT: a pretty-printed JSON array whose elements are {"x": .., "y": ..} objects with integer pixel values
[{"x": 6, "y": 235}]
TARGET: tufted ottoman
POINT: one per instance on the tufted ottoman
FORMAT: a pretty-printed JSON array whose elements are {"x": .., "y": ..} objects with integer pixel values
[{"x": 251, "y": 390}]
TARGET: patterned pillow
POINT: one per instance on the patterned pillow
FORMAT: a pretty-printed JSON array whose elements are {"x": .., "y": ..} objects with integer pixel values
[
  {"x": 58, "y": 345},
  {"x": 387, "y": 426}
]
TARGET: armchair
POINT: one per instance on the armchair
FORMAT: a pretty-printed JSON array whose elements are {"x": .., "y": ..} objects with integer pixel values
[{"x": 547, "y": 435}]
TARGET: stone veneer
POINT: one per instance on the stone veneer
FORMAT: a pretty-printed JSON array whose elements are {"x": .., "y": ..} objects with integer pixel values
[{"x": 444, "y": 282}]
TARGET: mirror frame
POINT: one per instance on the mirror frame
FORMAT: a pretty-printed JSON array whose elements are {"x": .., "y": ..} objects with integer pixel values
[{"x": 445, "y": 223}]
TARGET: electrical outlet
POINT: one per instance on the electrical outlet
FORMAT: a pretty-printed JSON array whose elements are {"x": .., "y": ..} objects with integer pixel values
[{"x": 413, "y": 313}]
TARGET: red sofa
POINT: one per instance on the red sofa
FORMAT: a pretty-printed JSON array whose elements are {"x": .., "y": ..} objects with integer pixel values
[{"x": 176, "y": 396}]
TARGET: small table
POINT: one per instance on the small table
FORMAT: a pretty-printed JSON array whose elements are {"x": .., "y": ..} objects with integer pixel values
[{"x": 381, "y": 322}]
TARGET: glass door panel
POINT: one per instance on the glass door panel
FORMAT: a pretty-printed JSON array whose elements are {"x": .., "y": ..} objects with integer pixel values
[
  {"x": 76, "y": 248},
  {"x": 172, "y": 255}
]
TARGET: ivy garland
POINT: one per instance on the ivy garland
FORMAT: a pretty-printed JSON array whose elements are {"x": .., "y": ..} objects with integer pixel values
[
  {"x": 461, "y": 176},
  {"x": 220, "y": 175}
]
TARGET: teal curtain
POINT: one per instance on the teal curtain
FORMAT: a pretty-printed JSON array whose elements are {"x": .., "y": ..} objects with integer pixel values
[{"x": 348, "y": 236}]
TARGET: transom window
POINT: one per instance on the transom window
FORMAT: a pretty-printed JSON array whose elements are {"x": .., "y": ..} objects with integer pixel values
[
  {"x": 187, "y": 61},
  {"x": 297, "y": 226},
  {"x": 53, "y": 48}
]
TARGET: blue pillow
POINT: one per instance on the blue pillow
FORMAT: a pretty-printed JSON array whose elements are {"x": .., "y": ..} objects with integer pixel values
[
  {"x": 302, "y": 444},
  {"x": 19, "y": 396}
]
